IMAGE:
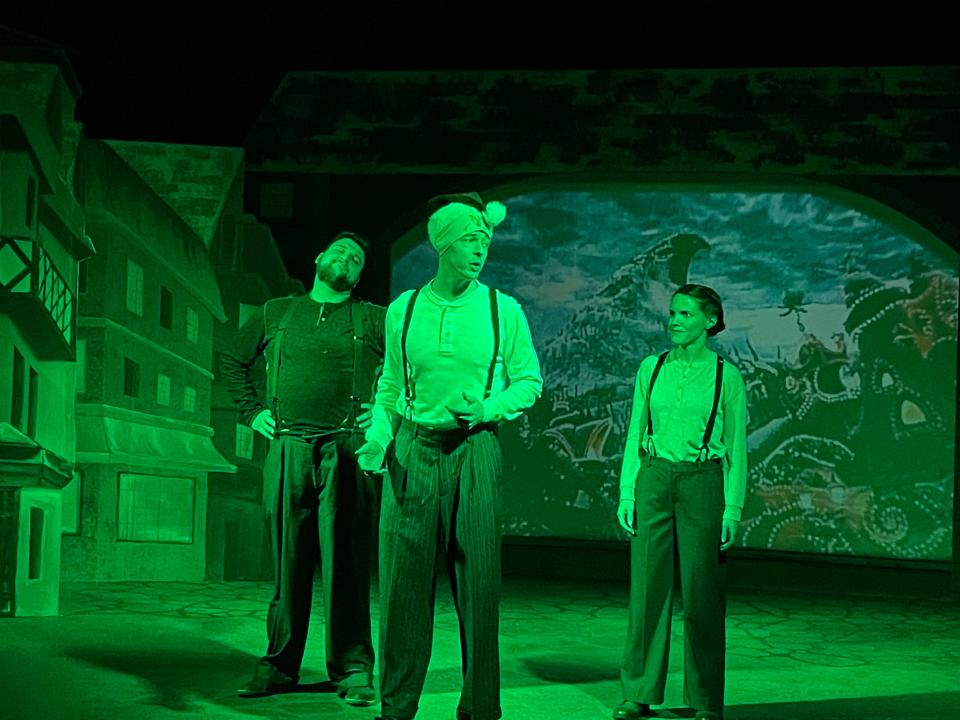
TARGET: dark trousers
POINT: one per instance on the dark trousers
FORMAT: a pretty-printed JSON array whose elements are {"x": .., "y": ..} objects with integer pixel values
[
  {"x": 442, "y": 501},
  {"x": 682, "y": 504},
  {"x": 318, "y": 505}
]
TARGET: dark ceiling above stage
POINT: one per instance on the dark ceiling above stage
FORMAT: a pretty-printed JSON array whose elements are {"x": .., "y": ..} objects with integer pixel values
[
  {"x": 812, "y": 121},
  {"x": 193, "y": 72}
]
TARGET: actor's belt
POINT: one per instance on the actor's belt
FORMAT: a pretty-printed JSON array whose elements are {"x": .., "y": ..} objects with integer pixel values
[
  {"x": 448, "y": 435},
  {"x": 313, "y": 437},
  {"x": 682, "y": 464}
]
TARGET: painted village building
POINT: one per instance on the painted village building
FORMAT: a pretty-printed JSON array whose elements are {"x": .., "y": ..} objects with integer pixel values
[
  {"x": 250, "y": 271},
  {"x": 42, "y": 240},
  {"x": 148, "y": 303},
  {"x": 204, "y": 186}
]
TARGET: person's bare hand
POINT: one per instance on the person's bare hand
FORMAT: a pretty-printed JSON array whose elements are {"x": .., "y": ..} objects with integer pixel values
[
  {"x": 625, "y": 512},
  {"x": 468, "y": 411},
  {"x": 728, "y": 534},
  {"x": 264, "y": 424},
  {"x": 365, "y": 419},
  {"x": 370, "y": 457}
]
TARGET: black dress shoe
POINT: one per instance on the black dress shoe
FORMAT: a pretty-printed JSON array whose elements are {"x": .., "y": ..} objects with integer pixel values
[
  {"x": 356, "y": 688},
  {"x": 358, "y": 695},
  {"x": 629, "y": 710},
  {"x": 267, "y": 680}
]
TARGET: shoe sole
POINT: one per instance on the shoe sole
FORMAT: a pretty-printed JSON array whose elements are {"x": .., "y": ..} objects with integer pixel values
[
  {"x": 355, "y": 702},
  {"x": 359, "y": 703},
  {"x": 265, "y": 693}
]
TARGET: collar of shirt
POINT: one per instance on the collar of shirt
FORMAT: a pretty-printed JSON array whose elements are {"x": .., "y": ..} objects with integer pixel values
[
  {"x": 462, "y": 299},
  {"x": 708, "y": 358}
]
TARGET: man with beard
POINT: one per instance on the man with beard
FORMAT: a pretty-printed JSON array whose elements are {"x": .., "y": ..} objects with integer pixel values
[{"x": 323, "y": 351}]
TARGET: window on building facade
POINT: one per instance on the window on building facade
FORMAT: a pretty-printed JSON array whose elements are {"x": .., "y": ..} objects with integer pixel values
[
  {"x": 189, "y": 399},
  {"x": 193, "y": 325},
  {"x": 131, "y": 378},
  {"x": 70, "y": 502},
  {"x": 166, "y": 307},
  {"x": 16, "y": 399},
  {"x": 82, "y": 278},
  {"x": 163, "y": 389},
  {"x": 35, "y": 559},
  {"x": 134, "y": 288},
  {"x": 80, "y": 369},
  {"x": 244, "y": 447},
  {"x": 33, "y": 399},
  {"x": 153, "y": 508}
]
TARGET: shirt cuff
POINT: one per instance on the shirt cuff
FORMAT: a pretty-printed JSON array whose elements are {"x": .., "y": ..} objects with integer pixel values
[
  {"x": 379, "y": 434},
  {"x": 251, "y": 415},
  {"x": 489, "y": 410},
  {"x": 732, "y": 512}
]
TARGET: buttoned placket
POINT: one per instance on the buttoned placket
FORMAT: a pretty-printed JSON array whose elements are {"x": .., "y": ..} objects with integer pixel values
[
  {"x": 321, "y": 318},
  {"x": 447, "y": 331},
  {"x": 684, "y": 369}
]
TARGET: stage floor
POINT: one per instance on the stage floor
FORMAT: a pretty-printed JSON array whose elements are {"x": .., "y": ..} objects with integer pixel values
[{"x": 178, "y": 650}]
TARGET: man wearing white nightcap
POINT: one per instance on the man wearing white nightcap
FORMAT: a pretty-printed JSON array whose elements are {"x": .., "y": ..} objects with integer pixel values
[{"x": 459, "y": 360}]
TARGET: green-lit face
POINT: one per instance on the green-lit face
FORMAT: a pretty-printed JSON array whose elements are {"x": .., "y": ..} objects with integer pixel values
[
  {"x": 467, "y": 255},
  {"x": 688, "y": 323},
  {"x": 340, "y": 264}
]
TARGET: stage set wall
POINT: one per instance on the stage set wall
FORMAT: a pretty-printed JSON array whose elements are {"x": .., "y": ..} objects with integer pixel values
[{"x": 879, "y": 137}]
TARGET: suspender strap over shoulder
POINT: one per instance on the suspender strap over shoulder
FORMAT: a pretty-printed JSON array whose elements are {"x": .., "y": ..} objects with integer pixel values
[
  {"x": 711, "y": 421},
  {"x": 407, "y": 392},
  {"x": 356, "y": 318},
  {"x": 276, "y": 342},
  {"x": 276, "y": 354},
  {"x": 495, "y": 318},
  {"x": 653, "y": 378}
]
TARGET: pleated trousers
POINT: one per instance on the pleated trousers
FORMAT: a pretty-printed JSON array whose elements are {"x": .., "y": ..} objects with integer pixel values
[
  {"x": 319, "y": 506},
  {"x": 440, "y": 512},
  {"x": 679, "y": 509}
]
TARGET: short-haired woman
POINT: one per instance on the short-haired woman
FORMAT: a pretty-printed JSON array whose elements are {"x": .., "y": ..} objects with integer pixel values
[{"x": 682, "y": 482}]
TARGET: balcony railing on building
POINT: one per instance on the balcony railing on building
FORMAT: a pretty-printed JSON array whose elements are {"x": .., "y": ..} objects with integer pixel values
[{"x": 38, "y": 299}]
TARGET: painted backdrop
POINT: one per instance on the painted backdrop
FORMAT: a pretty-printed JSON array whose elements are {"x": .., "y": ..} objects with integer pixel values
[{"x": 844, "y": 327}]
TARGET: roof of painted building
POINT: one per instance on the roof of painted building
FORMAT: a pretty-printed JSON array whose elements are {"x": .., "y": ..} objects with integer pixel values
[
  {"x": 113, "y": 188},
  {"x": 37, "y": 104},
  {"x": 195, "y": 180},
  {"x": 20, "y": 46}
]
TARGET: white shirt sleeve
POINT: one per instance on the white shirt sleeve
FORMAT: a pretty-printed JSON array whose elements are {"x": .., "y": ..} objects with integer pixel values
[{"x": 521, "y": 366}]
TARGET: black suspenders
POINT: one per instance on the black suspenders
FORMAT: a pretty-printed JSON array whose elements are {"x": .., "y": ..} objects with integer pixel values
[
  {"x": 407, "y": 392},
  {"x": 356, "y": 317},
  {"x": 653, "y": 378},
  {"x": 276, "y": 354},
  {"x": 711, "y": 421},
  {"x": 495, "y": 318}
]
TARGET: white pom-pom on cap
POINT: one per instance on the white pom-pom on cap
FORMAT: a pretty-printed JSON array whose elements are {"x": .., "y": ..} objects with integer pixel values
[{"x": 494, "y": 213}]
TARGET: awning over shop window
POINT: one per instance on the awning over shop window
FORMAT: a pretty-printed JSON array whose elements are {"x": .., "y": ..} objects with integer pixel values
[
  {"x": 26, "y": 463},
  {"x": 124, "y": 441}
]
